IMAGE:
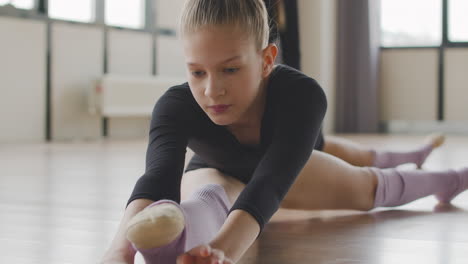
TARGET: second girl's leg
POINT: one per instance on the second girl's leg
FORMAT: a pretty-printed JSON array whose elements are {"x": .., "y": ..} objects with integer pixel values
[
  {"x": 362, "y": 156},
  {"x": 349, "y": 151}
]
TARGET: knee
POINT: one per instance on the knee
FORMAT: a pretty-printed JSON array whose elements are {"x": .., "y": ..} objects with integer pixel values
[
  {"x": 213, "y": 193},
  {"x": 194, "y": 180},
  {"x": 210, "y": 189}
]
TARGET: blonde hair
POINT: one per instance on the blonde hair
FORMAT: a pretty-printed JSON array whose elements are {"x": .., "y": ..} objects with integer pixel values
[{"x": 249, "y": 16}]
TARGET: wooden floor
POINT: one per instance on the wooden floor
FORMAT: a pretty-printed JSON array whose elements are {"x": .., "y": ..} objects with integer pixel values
[{"x": 61, "y": 203}]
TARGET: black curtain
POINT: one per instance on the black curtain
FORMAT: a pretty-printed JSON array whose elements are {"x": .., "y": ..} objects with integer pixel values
[{"x": 284, "y": 30}]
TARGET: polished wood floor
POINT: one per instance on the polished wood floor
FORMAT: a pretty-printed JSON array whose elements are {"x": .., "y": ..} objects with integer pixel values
[{"x": 61, "y": 203}]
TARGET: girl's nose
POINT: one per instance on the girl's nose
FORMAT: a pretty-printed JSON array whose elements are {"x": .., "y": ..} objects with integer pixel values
[{"x": 214, "y": 88}]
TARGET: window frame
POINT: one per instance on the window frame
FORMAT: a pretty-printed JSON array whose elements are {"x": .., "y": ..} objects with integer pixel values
[
  {"x": 445, "y": 28},
  {"x": 408, "y": 46},
  {"x": 40, "y": 12},
  {"x": 34, "y": 7},
  {"x": 445, "y": 44},
  {"x": 145, "y": 13},
  {"x": 74, "y": 21}
]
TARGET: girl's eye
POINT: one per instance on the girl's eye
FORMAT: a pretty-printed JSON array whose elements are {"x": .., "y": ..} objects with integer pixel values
[
  {"x": 231, "y": 70},
  {"x": 198, "y": 73}
]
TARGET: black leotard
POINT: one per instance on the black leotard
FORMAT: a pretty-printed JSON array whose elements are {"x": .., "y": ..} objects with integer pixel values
[{"x": 290, "y": 126}]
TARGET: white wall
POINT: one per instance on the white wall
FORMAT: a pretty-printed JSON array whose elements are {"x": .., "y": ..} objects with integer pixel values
[
  {"x": 317, "y": 29},
  {"x": 170, "y": 59},
  {"x": 409, "y": 90},
  {"x": 77, "y": 61},
  {"x": 408, "y": 84},
  {"x": 169, "y": 54},
  {"x": 129, "y": 53},
  {"x": 132, "y": 53},
  {"x": 167, "y": 13},
  {"x": 22, "y": 80},
  {"x": 456, "y": 84}
]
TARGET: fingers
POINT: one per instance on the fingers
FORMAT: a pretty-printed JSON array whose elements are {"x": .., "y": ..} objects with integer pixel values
[
  {"x": 213, "y": 255},
  {"x": 191, "y": 255},
  {"x": 219, "y": 255},
  {"x": 202, "y": 251},
  {"x": 185, "y": 259}
]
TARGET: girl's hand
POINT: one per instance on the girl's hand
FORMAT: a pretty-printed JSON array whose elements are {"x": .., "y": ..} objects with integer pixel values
[
  {"x": 204, "y": 254},
  {"x": 115, "y": 261}
]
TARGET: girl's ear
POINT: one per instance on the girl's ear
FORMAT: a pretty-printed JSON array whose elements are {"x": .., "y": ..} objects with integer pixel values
[{"x": 269, "y": 57}]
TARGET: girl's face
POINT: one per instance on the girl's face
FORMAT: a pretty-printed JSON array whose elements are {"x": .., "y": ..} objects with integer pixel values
[{"x": 226, "y": 72}]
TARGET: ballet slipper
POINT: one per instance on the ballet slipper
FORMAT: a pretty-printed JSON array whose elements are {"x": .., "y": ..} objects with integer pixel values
[
  {"x": 156, "y": 225},
  {"x": 434, "y": 140}
]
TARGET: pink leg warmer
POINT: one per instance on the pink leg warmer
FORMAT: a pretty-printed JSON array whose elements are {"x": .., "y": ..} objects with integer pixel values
[{"x": 397, "y": 187}]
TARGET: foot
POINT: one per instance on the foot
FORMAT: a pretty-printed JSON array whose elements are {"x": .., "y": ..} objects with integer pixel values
[
  {"x": 157, "y": 225},
  {"x": 432, "y": 142},
  {"x": 460, "y": 185},
  {"x": 436, "y": 140}
]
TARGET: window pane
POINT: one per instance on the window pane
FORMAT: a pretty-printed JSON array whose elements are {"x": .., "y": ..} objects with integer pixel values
[
  {"x": 125, "y": 13},
  {"x": 23, "y": 4},
  {"x": 411, "y": 23},
  {"x": 458, "y": 20},
  {"x": 81, "y": 11}
]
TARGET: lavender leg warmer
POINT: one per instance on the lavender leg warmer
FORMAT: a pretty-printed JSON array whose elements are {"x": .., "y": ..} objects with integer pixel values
[
  {"x": 204, "y": 211},
  {"x": 397, "y": 187}
]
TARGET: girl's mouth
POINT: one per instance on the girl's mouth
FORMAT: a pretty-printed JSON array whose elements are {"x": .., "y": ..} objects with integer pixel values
[{"x": 218, "y": 109}]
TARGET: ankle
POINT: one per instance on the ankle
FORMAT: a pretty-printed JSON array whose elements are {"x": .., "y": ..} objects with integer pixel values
[{"x": 369, "y": 201}]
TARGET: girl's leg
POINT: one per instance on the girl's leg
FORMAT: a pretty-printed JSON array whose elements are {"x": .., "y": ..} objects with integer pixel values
[
  {"x": 327, "y": 182},
  {"x": 349, "y": 151},
  {"x": 362, "y": 156},
  {"x": 165, "y": 229}
]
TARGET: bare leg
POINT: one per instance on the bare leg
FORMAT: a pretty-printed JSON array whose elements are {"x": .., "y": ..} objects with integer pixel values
[
  {"x": 362, "y": 156},
  {"x": 349, "y": 151},
  {"x": 327, "y": 182}
]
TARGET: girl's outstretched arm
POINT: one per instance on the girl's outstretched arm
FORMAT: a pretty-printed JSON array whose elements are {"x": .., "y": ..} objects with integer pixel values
[
  {"x": 120, "y": 250},
  {"x": 237, "y": 234}
]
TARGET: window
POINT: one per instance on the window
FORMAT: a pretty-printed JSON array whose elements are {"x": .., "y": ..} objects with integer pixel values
[
  {"x": 23, "y": 4},
  {"x": 80, "y": 11},
  {"x": 411, "y": 23},
  {"x": 125, "y": 13},
  {"x": 458, "y": 20}
]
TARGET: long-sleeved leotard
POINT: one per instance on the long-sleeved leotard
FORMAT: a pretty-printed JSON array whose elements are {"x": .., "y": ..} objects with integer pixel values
[{"x": 290, "y": 126}]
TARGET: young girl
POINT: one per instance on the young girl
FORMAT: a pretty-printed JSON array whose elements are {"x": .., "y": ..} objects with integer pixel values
[{"x": 253, "y": 126}]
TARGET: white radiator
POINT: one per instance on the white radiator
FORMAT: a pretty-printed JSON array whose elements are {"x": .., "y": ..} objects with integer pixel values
[{"x": 126, "y": 96}]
